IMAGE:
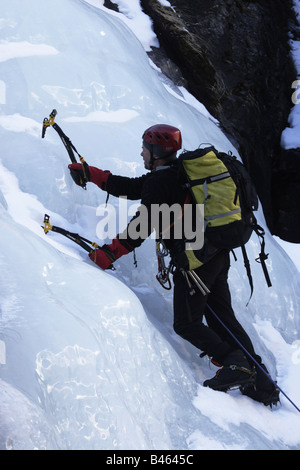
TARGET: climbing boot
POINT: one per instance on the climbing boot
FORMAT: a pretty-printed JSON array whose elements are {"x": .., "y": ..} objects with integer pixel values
[{"x": 236, "y": 372}]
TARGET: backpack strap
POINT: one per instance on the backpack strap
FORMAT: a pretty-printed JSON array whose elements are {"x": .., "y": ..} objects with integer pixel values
[
  {"x": 261, "y": 258},
  {"x": 248, "y": 270},
  {"x": 262, "y": 255},
  {"x": 208, "y": 179}
]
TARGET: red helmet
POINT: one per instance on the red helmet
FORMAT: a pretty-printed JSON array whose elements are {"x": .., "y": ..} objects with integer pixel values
[{"x": 164, "y": 138}]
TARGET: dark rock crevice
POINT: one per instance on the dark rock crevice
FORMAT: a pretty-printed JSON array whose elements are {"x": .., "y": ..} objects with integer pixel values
[{"x": 234, "y": 56}]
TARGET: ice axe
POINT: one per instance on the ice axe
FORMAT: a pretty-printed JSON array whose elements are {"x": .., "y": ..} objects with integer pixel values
[{"x": 80, "y": 180}]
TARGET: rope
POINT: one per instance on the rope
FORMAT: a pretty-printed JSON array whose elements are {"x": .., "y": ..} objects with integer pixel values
[{"x": 252, "y": 358}]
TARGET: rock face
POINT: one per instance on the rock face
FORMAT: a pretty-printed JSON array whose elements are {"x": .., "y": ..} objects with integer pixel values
[{"x": 234, "y": 56}]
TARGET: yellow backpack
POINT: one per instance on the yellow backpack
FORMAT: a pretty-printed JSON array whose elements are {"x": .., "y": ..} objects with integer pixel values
[{"x": 222, "y": 184}]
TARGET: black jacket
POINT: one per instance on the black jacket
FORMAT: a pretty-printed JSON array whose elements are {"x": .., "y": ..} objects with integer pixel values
[{"x": 161, "y": 186}]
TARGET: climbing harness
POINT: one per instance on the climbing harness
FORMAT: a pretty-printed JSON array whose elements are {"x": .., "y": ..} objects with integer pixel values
[
  {"x": 83, "y": 242},
  {"x": 80, "y": 180}
]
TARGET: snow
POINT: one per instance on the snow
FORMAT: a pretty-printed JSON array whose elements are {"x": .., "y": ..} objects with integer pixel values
[
  {"x": 13, "y": 50},
  {"x": 131, "y": 14},
  {"x": 89, "y": 359}
]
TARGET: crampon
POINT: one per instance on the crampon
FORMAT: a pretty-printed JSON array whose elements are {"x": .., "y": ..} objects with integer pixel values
[{"x": 267, "y": 397}]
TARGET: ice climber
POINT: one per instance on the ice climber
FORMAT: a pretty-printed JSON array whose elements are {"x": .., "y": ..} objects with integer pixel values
[{"x": 160, "y": 144}]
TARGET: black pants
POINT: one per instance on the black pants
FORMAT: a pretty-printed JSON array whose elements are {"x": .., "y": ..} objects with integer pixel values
[{"x": 189, "y": 311}]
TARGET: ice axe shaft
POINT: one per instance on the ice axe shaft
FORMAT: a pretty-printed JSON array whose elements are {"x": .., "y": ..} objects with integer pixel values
[{"x": 69, "y": 147}]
